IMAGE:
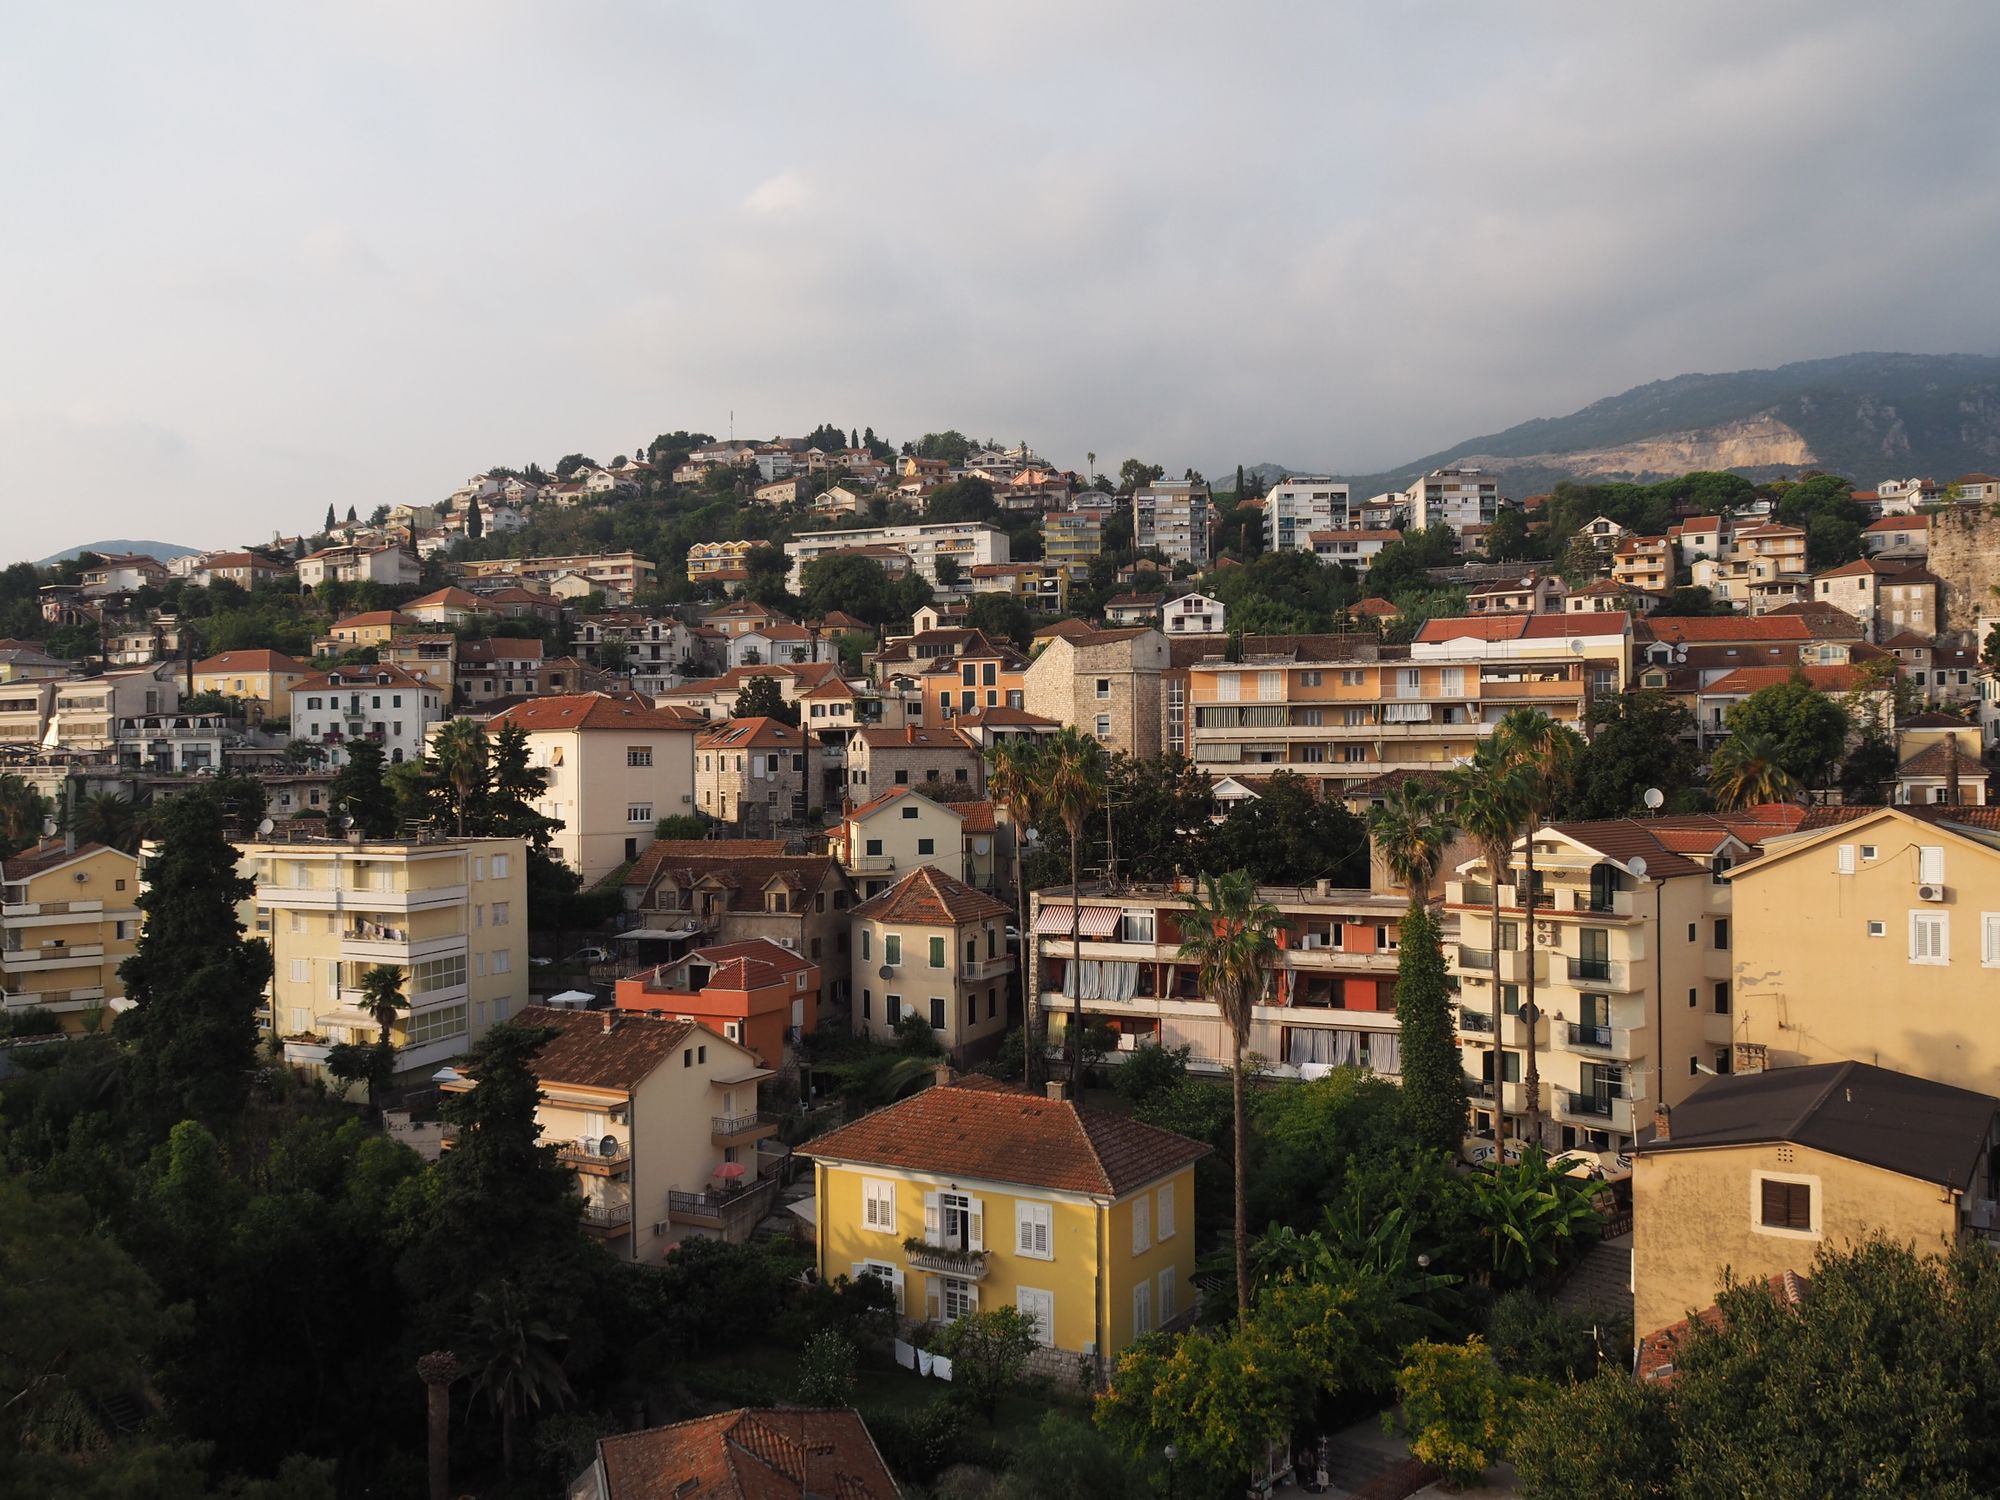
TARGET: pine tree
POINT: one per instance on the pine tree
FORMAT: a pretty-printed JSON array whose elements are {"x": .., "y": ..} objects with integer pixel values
[
  {"x": 195, "y": 981},
  {"x": 475, "y": 524},
  {"x": 358, "y": 791},
  {"x": 352, "y": 516},
  {"x": 1434, "y": 1097}
]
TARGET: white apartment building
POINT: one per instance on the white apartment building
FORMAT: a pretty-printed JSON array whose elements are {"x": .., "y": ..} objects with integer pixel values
[
  {"x": 1172, "y": 517},
  {"x": 1456, "y": 497},
  {"x": 1297, "y": 507},
  {"x": 1194, "y": 614},
  {"x": 969, "y": 543},
  {"x": 380, "y": 703},
  {"x": 451, "y": 914}
]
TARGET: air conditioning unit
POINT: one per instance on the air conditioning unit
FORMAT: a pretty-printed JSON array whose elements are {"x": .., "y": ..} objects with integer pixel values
[
  {"x": 1930, "y": 893},
  {"x": 662, "y": 1228}
]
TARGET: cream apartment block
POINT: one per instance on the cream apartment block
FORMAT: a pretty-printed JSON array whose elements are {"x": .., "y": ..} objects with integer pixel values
[
  {"x": 1457, "y": 498},
  {"x": 615, "y": 767},
  {"x": 1629, "y": 934},
  {"x": 1330, "y": 1000},
  {"x": 83, "y": 713},
  {"x": 1753, "y": 556},
  {"x": 657, "y": 1116},
  {"x": 619, "y": 575},
  {"x": 1072, "y": 540},
  {"x": 1297, "y": 507},
  {"x": 1172, "y": 517},
  {"x": 68, "y": 918},
  {"x": 452, "y": 914},
  {"x": 970, "y": 543},
  {"x": 1644, "y": 562},
  {"x": 1344, "y": 708}
]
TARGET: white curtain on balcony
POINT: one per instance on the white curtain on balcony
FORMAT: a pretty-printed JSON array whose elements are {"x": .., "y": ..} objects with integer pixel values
[
  {"x": 1385, "y": 1052},
  {"x": 1207, "y": 1039},
  {"x": 1314, "y": 1044},
  {"x": 1104, "y": 979}
]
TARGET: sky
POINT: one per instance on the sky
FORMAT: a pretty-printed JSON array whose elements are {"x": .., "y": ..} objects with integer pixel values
[{"x": 260, "y": 258}]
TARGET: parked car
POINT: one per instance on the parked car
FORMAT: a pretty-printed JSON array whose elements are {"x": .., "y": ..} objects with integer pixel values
[{"x": 591, "y": 956}]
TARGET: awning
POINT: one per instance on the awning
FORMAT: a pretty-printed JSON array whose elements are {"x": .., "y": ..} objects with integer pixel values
[
  {"x": 747, "y": 1075},
  {"x": 1096, "y": 921},
  {"x": 570, "y": 997},
  {"x": 806, "y": 1210},
  {"x": 654, "y": 934}
]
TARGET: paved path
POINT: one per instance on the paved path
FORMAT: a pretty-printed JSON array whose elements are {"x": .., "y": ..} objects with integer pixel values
[{"x": 1602, "y": 1281}]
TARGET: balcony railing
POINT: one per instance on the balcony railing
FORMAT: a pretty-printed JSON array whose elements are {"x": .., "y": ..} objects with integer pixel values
[
  {"x": 1475, "y": 958},
  {"x": 593, "y": 1152},
  {"x": 1581, "y": 1035},
  {"x": 741, "y": 1124},
  {"x": 720, "y": 1210},
  {"x": 944, "y": 1260},
  {"x": 606, "y": 1215},
  {"x": 1596, "y": 1104},
  {"x": 1472, "y": 1020},
  {"x": 1596, "y": 969}
]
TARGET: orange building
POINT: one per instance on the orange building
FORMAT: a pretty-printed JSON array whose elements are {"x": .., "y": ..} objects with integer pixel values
[{"x": 758, "y": 993}]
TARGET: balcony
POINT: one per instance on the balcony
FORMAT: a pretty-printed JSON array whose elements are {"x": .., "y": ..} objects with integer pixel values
[
  {"x": 721, "y": 1211},
  {"x": 737, "y": 1130},
  {"x": 607, "y": 1219},
  {"x": 15, "y": 1001},
  {"x": 1600, "y": 1109},
  {"x": 50, "y": 956},
  {"x": 1718, "y": 1030},
  {"x": 1589, "y": 1036},
  {"x": 944, "y": 1260},
  {"x": 986, "y": 968},
  {"x": 1474, "y": 1021},
  {"x": 1620, "y": 1042},
  {"x": 15, "y": 911},
  {"x": 1477, "y": 963},
  {"x": 1607, "y": 974},
  {"x": 378, "y": 946},
  {"x": 591, "y": 1157}
]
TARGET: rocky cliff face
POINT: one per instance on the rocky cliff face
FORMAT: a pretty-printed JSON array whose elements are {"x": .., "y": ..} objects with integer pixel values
[{"x": 1758, "y": 442}]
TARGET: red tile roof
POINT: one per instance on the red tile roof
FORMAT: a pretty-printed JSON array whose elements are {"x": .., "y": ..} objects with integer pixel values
[
  {"x": 374, "y": 617},
  {"x": 594, "y": 711},
  {"x": 250, "y": 661},
  {"x": 975, "y": 1127},
  {"x": 749, "y": 965},
  {"x": 786, "y": 1454},
  {"x": 1900, "y": 523},
  {"x": 1835, "y": 679},
  {"x": 928, "y": 897},
  {"x": 602, "y": 1049},
  {"x": 452, "y": 597},
  {"x": 752, "y": 734},
  {"x": 1658, "y": 1349},
  {"x": 1678, "y": 629},
  {"x": 46, "y": 856},
  {"x": 382, "y": 674}
]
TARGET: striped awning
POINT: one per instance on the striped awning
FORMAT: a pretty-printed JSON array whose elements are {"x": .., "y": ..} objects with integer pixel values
[{"x": 1096, "y": 921}]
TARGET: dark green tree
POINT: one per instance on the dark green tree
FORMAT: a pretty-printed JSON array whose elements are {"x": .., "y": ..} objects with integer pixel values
[
  {"x": 1508, "y": 539},
  {"x": 475, "y": 524},
  {"x": 195, "y": 981},
  {"x": 1638, "y": 739},
  {"x": 1136, "y": 474},
  {"x": 1806, "y": 729},
  {"x": 358, "y": 791},
  {"x": 1290, "y": 835},
  {"x": 761, "y": 698},
  {"x": 513, "y": 785},
  {"x": 1001, "y": 616},
  {"x": 330, "y": 522},
  {"x": 22, "y": 810}
]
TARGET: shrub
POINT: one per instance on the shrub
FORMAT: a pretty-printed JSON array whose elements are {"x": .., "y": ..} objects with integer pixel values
[
  {"x": 1457, "y": 1407},
  {"x": 1151, "y": 1071},
  {"x": 1532, "y": 1337},
  {"x": 826, "y": 1370},
  {"x": 918, "y": 1446}
]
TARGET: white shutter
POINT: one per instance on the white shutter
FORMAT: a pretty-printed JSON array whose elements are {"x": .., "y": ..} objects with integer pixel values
[
  {"x": 1031, "y": 1229},
  {"x": 1930, "y": 938},
  {"x": 896, "y": 1285},
  {"x": 1142, "y": 1224},
  {"x": 976, "y": 1224},
  {"x": 1846, "y": 859},
  {"x": 1166, "y": 1224},
  {"x": 931, "y": 1217},
  {"x": 1989, "y": 945},
  {"x": 1142, "y": 1309},
  {"x": 1040, "y": 1308},
  {"x": 1167, "y": 1287},
  {"x": 1930, "y": 864},
  {"x": 934, "y": 1299}
]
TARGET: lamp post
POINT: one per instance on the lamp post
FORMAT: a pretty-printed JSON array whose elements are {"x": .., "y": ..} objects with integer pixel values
[{"x": 1172, "y": 1454}]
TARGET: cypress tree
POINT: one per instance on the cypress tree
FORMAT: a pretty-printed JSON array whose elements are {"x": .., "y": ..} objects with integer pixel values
[
  {"x": 358, "y": 791},
  {"x": 329, "y": 516},
  {"x": 475, "y": 524},
  {"x": 1434, "y": 1098},
  {"x": 196, "y": 982}
]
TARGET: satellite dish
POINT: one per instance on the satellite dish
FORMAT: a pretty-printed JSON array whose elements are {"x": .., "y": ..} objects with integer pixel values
[
  {"x": 982, "y": 845},
  {"x": 886, "y": 972},
  {"x": 1654, "y": 798},
  {"x": 1576, "y": 644},
  {"x": 1637, "y": 865},
  {"x": 264, "y": 828}
]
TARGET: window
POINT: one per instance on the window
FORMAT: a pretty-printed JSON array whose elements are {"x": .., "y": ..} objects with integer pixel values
[
  {"x": 1040, "y": 1309},
  {"x": 910, "y": 812},
  {"x": 892, "y": 948},
  {"x": 1878, "y": 929},
  {"x": 1846, "y": 865},
  {"x": 1722, "y": 932},
  {"x": 1103, "y": 726},
  {"x": 878, "y": 1206},
  {"x": 1033, "y": 1230},
  {"x": 937, "y": 953},
  {"x": 1930, "y": 937},
  {"x": 926, "y": 846},
  {"x": 1142, "y": 1309},
  {"x": 1722, "y": 997},
  {"x": 1168, "y": 1280},
  {"x": 1103, "y": 687},
  {"x": 1989, "y": 939},
  {"x": 1165, "y": 1227},
  {"x": 503, "y": 961},
  {"x": 435, "y": 1025},
  {"x": 955, "y": 1221},
  {"x": 301, "y": 971},
  {"x": 867, "y": 1004},
  {"x": 639, "y": 812},
  {"x": 938, "y": 1021},
  {"x": 437, "y": 974},
  {"x": 1142, "y": 1224},
  {"x": 892, "y": 1009},
  {"x": 499, "y": 913},
  {"x": 864, "y": 943},
  {"x": 874, "y": 846},
  {"x": 638, "y": 755},
  {"x": 1785, "y": 1205},
  {"x": 957, "y": 1299}
]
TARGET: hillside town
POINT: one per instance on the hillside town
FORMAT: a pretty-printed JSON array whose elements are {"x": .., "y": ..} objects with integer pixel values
[{"x": 833, "y": 917}]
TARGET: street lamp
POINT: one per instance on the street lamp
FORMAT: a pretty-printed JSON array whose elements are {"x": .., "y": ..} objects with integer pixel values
[{"x": 1172, "y": 1454}]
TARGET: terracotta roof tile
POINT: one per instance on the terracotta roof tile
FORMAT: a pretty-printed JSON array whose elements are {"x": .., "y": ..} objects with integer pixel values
[
  {"x": 749, "y": 1455},
  {"x": 976, "y": 1127},
  {"x": 928, "y": 897},
  {"x": 594, "y": 711},
  {"x": 602, "y": 1049},
  {"x": 250, "y": 661}
]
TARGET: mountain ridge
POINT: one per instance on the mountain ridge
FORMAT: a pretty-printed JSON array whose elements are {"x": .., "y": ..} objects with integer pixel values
[{"x": 164, "y": 551}]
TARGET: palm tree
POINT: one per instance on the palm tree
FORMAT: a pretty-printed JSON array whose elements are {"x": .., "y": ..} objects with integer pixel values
[
  {"x": 1547, "y": 755},
  {"x": 382, "y": 996},
  {"x": 1489, "y": 801},
  {"x": 1232, "y": 939},
  {"x": 1072, "y": 787},
  {"x": 1745, "y": 770},
  {"x": 512, "y": 1360},
  {"x": 1012, "y": 780},
  {"x": 1411, "y": 828},
  {"x": 22, "y": 809},
  {"x": 460, "y": 750},
  {"x": 107, "y": 818}
]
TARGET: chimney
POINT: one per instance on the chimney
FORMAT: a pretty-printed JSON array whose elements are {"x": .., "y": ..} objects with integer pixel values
[
  {"x": 910, "y": 734},
  {"x": 1951, "y": 771},
  {"x": 943, "y": 1073},
  {"x": 1058, "y": 1090},
  {"x": 610, "y": 1020},
  {"x": 1663, "y": 1123}
]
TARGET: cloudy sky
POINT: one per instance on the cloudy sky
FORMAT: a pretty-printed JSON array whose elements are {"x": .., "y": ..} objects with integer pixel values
[{"x": 259, "y": 258}]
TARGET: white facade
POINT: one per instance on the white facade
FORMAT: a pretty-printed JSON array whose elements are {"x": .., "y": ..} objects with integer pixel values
[
  {"x": 1194, "y": 614},
  {"x": 1301, "y": 505},
  {"x": 971, "y": 543},
  {"x": 379, "y": 703},
  {"x": 1456, "y": 497}
]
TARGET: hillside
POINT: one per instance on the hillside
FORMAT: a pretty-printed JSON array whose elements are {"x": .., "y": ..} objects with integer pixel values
[
  {"x": 1868, "y": 416},
  {"x": 164, "y": 551}
]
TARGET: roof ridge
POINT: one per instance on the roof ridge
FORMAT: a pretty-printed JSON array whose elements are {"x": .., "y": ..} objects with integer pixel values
[{"x": 1841, "y": 1072}]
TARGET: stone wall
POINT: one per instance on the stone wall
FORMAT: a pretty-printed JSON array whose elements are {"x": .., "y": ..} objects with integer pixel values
[{"x": 1965, "y": 556}]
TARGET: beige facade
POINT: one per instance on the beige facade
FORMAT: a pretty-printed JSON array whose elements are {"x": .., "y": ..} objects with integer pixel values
[
  {"x": 1887, "y": 597},
  {"x": 261, "y": 680},
  {"x": 754, "y": 775},
  {"x": 68, "y": 919},
  {"x": 883, "y": 840},
  {"x": 934, "y": 947},
  {"x": 1876, "y": 938},
  {"x": 615, "y": 767},
  {"x": 453, "y": 915},
  {"x": 1105, "y": 683}
]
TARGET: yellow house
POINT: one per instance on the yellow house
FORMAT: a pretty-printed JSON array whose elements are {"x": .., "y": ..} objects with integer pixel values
[
  {"x": 933, "y": 946},
  {"x": 976, "y": 1194},
  {"x": 658, "y": 1118},
  {"x": 262, "y": 680},
  {"x": 451, "y": 914},
  {"x": 1757, "y": 1171},
  {"x": 902, "y": 829},
  {"x": 1876, "y": 937},
  {"x": 68, "y": 919}
]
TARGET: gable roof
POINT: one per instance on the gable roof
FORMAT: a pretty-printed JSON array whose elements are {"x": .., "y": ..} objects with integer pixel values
[
  {"x": 594, "y": 711},
  {"x": 874, "y": 805},
  {"x": 928, "y": 897},
  {"x": 602, "y": 1049},
  {"x": 1833, "y": 679},
  {"x": 749, "y": 965},
  {"x": 52, "y": 855},
  {"x": 454, "y": 598},
  {"x": 1940, "y": 759},
  {"x": 1890, "y": 570},
  {"x": 748, "y": 1455},
  {"x": 1779, "y": 625},
  {"x": 375, "y": 617},
  {"x": 1896, "y": 1121},
  {"x": 250, "y": 661},
  {"x": 976, "y": 1127},
  {"x": 381, "y": 674},
  {"x": 758, "y": 733}
]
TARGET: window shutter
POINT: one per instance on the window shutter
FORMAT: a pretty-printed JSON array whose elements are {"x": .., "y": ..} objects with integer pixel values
[
  {"x": 1990, "y": 940},
  {"x": 972, "y": 1298},
  {"x": 1024, "y": 1229},
  {"x": 1774, "y": 1203},
  {"x": 1930, "y": 864},
  {"x": 1847, "y": 859},
  {"x": 1166, "y": 1215},
  {"x": 976, "y": 1221},
  {"x": 931, "y": 1217},
  {"x": 934, "y": 1300},
  {"x": 1142, "y": 1224},
  {"x": 896, "y": 1285}
]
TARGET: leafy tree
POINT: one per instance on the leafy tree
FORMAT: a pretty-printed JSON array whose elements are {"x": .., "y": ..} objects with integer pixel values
[
  {"x": 952, "y": 446},
  {"x": 1611, "y": 1438},
  {"x": 1489, "y": 800},
  {"x": 22, "y": 810},
  {"x": 1638, "y": 739},
  {"x": 1692, "y": 600},
  {"x": 762, "y": 698},
  {"x": 569, "y": 463},
  {"x": 681, "y": 827},
  {"x": 1136, "y": 474},
  {"x": 1458, "y": 1407},
  {"x": 1219, "y": 1397},
  {"x": 826, "y": 1369},
  {"x": 460, "y": 751},
  {"x": 195, "y": 981},
  {"x": 1748, "y": 769},
  {"x": 1402, "y": 566},
  {"x": 849, "y": 582},
  {"x": 1434, "y": 1094},
  {"x": 1159, "y": 814},
  {"x": 1062, "y": 1458},
  {"x": 1306, "y": 1138},
  {"x": 1290, "y": 835},
  {"x": 988, "y": 1352},
  {"x": 358, "y": 791},
  {"x": 1072, "y": 789},
  {"x": 507, "y": 809},
  {"x": 512, "y": 1360},
  {"x": 1001, "y": 616},
  {"x": 967, "y": 499},
  {"x": 1231, "y": 939},
  {"x": 1533, "y": 1214},
  {"x": 330, "y": 522},
  {"x": 1507, "y": 540},
  {"x": 1869, "y": 766},
  {"x": 1533, "y": 1337}
]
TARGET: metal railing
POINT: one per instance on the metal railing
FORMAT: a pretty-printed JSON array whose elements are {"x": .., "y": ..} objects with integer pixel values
[
  {"x": 1590, "y": 968},
  {"x": 1475, "y": 958},
  {"x": 738, "y": 1124},
  {"x": 594, "y": 1152},
  {"x": 1472, "y": 1020},
  {"x": 1597, "y": 1104},
  {"x": 1581, "y": 1035},
  {"x": 606, "y": 1215}
]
